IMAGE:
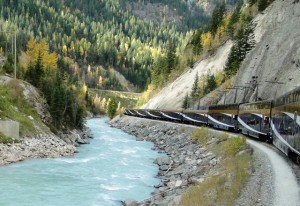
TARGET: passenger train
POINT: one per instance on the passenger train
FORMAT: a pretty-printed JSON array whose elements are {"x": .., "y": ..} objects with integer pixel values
[{"x": 276, "y": 122}]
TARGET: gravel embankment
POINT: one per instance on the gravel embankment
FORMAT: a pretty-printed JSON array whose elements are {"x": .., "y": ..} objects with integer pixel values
[
  {"x": 42, "y": 146},
  {"x": 259, "y": 189},
  {"x": 284, "y": 185}
]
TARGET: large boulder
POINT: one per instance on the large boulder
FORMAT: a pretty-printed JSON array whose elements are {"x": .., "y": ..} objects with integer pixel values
[{"x": 163, "y": 161}]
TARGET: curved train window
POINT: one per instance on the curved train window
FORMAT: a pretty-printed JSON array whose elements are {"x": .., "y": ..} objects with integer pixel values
[{"x": 266, "y": 120}]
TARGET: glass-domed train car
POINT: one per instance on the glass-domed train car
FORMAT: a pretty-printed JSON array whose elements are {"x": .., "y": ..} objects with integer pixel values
[
  {"x": 285, "y": 124},
  {"x": 223, "y": 117},
  {"x": 195, "y": 117},
  {"x": 254, "y": 119},
  {"x": 171, "y": 115}
]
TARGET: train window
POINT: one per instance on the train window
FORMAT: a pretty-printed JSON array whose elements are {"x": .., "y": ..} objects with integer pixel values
[{"x": 266, "y": 120}]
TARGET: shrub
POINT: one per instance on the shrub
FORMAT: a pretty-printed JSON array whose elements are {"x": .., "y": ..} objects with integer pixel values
[
  {"x": 202, "y": 135},
  {"x": 234, "y": 145},
  {"x": 6, "y": 140}
]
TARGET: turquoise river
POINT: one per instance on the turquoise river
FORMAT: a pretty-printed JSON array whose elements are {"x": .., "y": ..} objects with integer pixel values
[{"x": 111, "y": 168}]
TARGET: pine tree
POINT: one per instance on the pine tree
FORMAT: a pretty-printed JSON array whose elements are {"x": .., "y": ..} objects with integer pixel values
[
  {"x": 171, "y": 56},
  {"x": 211, "y": 83},
  {"x": 195, "y": 89},
  {"x": 243, "y": 43},
  {"x": 185, "y": 103},
  {"x": 196, "y": 42},
  {"x": 190, "y": 62},
  {"x": 262, "y": 5},
  {"x": 217, "y": 18},
  {"x": 30, "y": 74},
  {"x": 234, "y": 19},
  {"x": 112, "y": 108},
  {"x": 39, "y": 71}
]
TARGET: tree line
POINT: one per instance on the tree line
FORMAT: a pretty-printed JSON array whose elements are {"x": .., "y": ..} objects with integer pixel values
[{"x": 95, "y": 32}]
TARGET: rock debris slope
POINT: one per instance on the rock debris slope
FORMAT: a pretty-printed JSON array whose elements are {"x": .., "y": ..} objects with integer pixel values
[{"x": 171, "y": 97}]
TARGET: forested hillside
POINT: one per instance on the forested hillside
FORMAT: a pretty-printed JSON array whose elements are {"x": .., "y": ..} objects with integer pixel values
[{"x": 107, "y": 33}]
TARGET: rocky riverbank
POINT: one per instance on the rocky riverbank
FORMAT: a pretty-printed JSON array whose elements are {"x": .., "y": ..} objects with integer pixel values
[
  {"x": 185, "y": 162},
  {"x": 43, "y": 146}
]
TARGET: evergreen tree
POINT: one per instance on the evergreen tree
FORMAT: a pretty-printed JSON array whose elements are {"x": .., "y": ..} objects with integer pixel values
[
  {"x": 185, "y": 103},
  {"x": 190, "y": 62},
  {"x": 243, "y": 43},
  {"x": 195, "y": 87},
  {"x": 38, "y": 70},
  {"x": 262, "y": 5},
  {"x": 171, "y": 56},
  {"x": 234, "y": 19},
  {"x": 196, "y": 42},
  {"x": 112, "y": 108},
  {"x": 211, "y": 83},
  {"x": 8, "y": 67},
  {"x": 30, "y": 73},
  {"x": 217, "y": 18}
]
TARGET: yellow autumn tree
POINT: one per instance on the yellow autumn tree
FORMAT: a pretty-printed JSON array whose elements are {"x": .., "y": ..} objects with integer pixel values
[
  {"x": 219, "y": 35},
  {"x": 100, "y": 82},
  {"x": 206, "y": 40},
  {"x": 35, "y": 48},
  {"x": 202, "y": 84}
]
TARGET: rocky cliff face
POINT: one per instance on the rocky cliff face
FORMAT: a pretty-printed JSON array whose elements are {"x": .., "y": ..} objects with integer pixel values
[{"x": 276, "y": 56}]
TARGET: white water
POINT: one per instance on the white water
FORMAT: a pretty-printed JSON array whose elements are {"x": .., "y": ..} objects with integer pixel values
[{"x": 113, "y": 167}]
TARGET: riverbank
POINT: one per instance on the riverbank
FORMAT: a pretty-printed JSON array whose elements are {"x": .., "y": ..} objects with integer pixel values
[
  {"x": 185, "y": 164},
  {"x": 43, "y": 146}
]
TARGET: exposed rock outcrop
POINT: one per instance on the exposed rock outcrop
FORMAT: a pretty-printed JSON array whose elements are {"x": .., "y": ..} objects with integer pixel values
[
  {"x": 276, "y": 56},
  {"x": 41, "y": 143},
  {"x": 43, "y": 146}
]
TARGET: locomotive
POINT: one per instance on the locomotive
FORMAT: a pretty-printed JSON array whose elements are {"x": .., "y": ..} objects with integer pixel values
[{"x": 276, "y": 121}]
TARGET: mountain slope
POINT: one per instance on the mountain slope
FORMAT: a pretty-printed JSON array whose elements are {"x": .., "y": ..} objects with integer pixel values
[
  {"x": 171, "y": 97},
  {"x": 276, "y": 57}
]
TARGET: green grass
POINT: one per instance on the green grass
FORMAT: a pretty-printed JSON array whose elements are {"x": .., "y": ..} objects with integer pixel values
[
  {"x": 234, "y": 167},
  {"x": 202, "y": 135},
  {"x": 13, "y": 106},
  {"x": 6, "y": 140}
]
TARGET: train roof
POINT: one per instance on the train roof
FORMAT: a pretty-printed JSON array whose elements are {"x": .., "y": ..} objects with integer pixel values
[
  {"x": 223, "y": 106},
  {"x": 195, "y": 111},
  {"x": 254, "y": 103}
]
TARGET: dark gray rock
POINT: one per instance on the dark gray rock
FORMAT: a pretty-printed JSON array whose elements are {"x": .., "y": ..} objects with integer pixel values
[{"x": 130, "y": 202}]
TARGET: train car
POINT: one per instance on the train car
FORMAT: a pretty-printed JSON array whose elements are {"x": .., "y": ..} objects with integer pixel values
[
  {"x": 130, "y": 112},
  {"x": 172, "y": 115},
  {"x": 254, "y": 119},
  {"x": 141, "y": 113},
  {"x": 195, "y": 117},
  {"x": 153, "y": 114},
  {"x": 285, "y": 124},
  {"x": 223, "y": 117},
  {"x": 126, "y": 112}
]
